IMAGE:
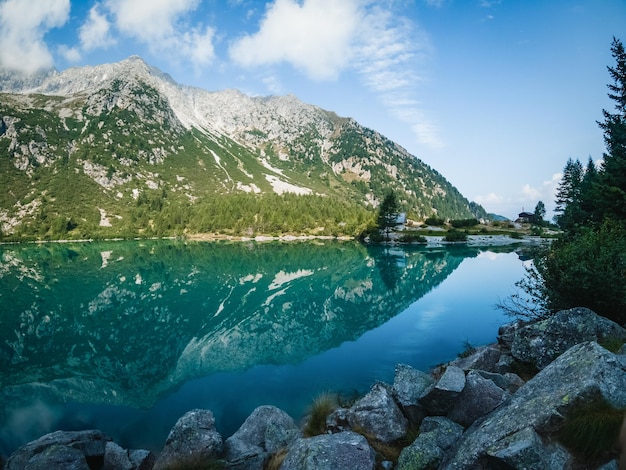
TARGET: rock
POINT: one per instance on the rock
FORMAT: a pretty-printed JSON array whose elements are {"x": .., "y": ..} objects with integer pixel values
[
  {"x": 141, "y": 459},
  {"x": 507, "y": 381},
  {"x": 116, "y": 458},
  {"x": 378, "y": 415},
  {"x": 91, "y": 445},
  {"x": 541, "y": 342},
  {"x": 192, "y": 438},
  {"x": 264, "y": 432},
  {"x": 479, "y": 397},
  {"x": 525, "y": 449},
  {"x": 507, "y": 332},
  {"x": 437, "y": 435},
  {"x": 439, "y": 398},
  {"x": 408, "y": 385},
  {"x": 584, "y": 372},
  {"x": 342, "y": 451},
  {"x": 483, "y": 358},
  {"x": 58, "y": 456}
]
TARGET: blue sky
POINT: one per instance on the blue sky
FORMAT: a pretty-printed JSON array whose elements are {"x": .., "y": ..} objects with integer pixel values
[{"x": 495, "y": 95}]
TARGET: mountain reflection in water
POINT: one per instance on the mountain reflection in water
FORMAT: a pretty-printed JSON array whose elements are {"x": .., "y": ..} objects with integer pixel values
[{"x": 112, "y": 328}]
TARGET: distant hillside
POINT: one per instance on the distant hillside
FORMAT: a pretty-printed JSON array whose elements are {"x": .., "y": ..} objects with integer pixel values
[{"x": 122, "y": 150}]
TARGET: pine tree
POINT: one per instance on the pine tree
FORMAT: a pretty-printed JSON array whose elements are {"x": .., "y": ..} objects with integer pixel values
[
  {"x": 611, "y": 195},
  {"x": 388, "y": 213},
  {"x": 568, "y": 194}
]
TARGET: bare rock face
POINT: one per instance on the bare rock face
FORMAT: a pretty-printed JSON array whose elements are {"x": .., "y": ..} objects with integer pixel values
[
  {"x": 193, "y": 437},
  {"x": 264, "y": 432},
  {"x": 378, "y": 414},
  {"x": 541, "y": 342},
  {"x": 341, "y": 451},
  {"x": 584, "y": 372}
]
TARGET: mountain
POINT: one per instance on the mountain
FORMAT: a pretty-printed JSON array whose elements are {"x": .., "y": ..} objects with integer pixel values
[{"x": 122, "y": 149}]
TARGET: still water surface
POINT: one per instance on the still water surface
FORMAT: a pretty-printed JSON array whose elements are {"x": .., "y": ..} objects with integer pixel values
[{"x": 128, "y": 336}]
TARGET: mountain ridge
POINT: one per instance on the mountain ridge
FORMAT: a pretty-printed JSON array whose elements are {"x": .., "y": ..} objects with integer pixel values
[{"x": 133, "y": 131}]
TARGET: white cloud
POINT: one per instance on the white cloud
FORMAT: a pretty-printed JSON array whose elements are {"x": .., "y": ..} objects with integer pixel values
[
  {"x": 314, "y": 37},
  {"x": 23, "y": 25},
  {"x": 489, "y": 199},
  {"x": 71, "y": 54},
  {"x": 95, "y": 33},
  {"x": 163, "y": 26}
]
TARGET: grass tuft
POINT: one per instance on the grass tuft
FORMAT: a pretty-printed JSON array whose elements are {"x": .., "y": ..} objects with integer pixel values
[
  {"x": 322, "y": 406},
  {"x": 592, "y": 430}
]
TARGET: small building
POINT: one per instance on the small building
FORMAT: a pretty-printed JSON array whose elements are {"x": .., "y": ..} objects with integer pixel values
[{"x": 525, "y": 218}]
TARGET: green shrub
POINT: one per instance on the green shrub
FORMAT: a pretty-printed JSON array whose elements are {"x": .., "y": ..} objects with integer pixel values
[
  {"x": 460, "y": 223},
  {"x": 412, "y": 238},
  {"x": 435, "y": 221},
  {"x": 455, "y": 236}
]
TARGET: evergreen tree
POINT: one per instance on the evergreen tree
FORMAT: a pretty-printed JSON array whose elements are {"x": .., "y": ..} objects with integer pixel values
[
  {"x": 540, "y": 212},
  {"x": 388, "y": 213},
  {"x": 568, "y": 195},
  {"x": 611, "y": 188}
]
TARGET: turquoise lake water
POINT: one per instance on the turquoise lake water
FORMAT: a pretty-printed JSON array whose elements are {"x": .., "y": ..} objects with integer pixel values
[{"x": 127, "y": 336}]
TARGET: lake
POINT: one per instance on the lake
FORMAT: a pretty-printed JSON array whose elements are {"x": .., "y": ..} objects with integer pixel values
[{"x": 127, "y": 336}]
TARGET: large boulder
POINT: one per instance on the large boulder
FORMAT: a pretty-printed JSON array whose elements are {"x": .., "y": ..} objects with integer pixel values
[
  {"x": 408, "y": 385},
  {"x": 378, "y": 415},
  {"x": 437, "y": 435},
  {"x": 341, "y": 451},
  {"x": 440, "y": 397},
  {"x": 59, "y": 449},
  {"x": 583, "y": 373},
  {"x": 541, "y": 342},
  {"x": 479, "y": 397},
  {"x": 193, "y": 438},
  {"x": 264, "y": 432}
]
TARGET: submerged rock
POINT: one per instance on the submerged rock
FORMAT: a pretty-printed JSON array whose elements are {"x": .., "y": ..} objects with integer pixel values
[
  {"x": 265, "y": 431},
  {"x": 192, "y": 438},
  {"x": 341, "y": 451}
]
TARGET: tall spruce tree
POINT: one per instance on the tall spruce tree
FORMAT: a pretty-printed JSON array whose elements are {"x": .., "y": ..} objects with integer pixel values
[
  {"x": 611, "y": 187},
  {"x": 568, "y": 195},
  {"x": 388, "y": 213}
]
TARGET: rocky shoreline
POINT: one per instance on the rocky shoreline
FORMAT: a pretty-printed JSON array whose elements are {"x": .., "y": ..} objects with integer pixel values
[{"x": 481, "y": 411}]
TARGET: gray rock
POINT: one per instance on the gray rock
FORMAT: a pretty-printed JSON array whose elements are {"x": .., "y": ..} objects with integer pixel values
[
  {"x": 437, "y": 435},
  {"x": 342, "y": 451},
  {"x": 507, "y": 332},
  {"x": 479, "y": 397},
  {"x": 264, "y": 432},
  {"x": 484, "y": 358},
  {"x": 408, "y": 385},
  {"x": 525, "y": 449},
  {"x": 91, "y": 444},
  {"x": 116, "y": 458},
  {"x": 58, "y": 456},
  {"x": 584, "y": 372},
  {"x": 508, "y": 381},
  {"x": 141, "y": 459},
  {"x": 192, "y": 438},
  {"x": 439, "y": 398},
  {"x": 541, "y": 342},
  {"x": 378, "y": 415}
]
